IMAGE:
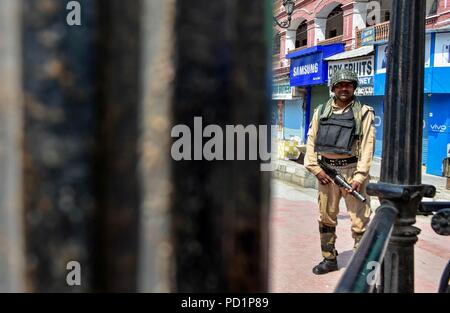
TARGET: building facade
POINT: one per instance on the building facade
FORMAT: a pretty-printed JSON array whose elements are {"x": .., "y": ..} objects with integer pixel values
[{"x": 325, "y": 36}]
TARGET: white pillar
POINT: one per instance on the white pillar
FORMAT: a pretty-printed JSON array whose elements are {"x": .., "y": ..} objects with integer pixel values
[
  {"x": 359, "y": 16},
  {"x": 290, "y": 40},
  {"x": 320, "y": 26}
]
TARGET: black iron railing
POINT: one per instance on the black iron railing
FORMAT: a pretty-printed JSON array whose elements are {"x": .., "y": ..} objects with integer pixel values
[
  {"x": 363, "y": 274},
  {"x": 364, "y": 268}
]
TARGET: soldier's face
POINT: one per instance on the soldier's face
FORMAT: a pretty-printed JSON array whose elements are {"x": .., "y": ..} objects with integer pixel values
[{"x": 344, "y": 91}]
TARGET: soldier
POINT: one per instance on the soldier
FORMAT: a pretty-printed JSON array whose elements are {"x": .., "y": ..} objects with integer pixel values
[{"x": 342, "y": 134}]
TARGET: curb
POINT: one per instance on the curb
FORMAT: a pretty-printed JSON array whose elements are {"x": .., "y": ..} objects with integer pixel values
[{"x": 295, "y": 173}]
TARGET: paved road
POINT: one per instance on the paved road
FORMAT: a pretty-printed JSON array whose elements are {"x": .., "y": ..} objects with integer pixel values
[{"x": 295, "y": 247}]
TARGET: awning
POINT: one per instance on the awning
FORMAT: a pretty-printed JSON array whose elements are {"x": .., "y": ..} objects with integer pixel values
[
  {"x": 442, "y": 29},
  {"x": 365, "y": 50},
  {"x": 326, "y": 50},
  {"x": 308, "y": 66}
]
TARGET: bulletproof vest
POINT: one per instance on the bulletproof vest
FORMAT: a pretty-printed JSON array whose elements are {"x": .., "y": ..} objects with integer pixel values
[{"x": 336, "y": 133}]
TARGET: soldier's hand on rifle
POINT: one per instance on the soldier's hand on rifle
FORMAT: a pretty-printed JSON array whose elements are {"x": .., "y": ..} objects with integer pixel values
[
  {"x": 356, "y": 186},
  {"x": 323, "y": 178}
]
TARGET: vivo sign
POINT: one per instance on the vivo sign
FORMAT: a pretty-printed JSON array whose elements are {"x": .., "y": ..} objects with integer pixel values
[{"x": 438, "y": 128}]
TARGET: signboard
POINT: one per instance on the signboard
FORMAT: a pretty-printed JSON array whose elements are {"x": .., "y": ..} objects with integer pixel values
[
  {"x": 307, "y": 70},
  {"x": 427, "y": 50},
  {"x": 382, "y": 58},
  {"x": 368, "y": 36},
  {"x": 382, "y": 52},
  {"x": 281, "y": 92},
  {"x": 438, "y": 122},
  {"x": 363, "y": 67},
  {"x": 442, "y": 50}
]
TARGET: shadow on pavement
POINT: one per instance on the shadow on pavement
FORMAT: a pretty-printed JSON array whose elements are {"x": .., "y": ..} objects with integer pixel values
[{"x": 344, "y": 259}]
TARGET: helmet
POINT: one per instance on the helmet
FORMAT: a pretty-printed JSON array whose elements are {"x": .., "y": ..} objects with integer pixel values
[{"x": 344, "y": 75}]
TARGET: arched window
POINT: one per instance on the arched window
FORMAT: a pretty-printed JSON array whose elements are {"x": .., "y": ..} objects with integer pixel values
[
  {"x": 432, "y": 7},
  {"x": 335, "y": 22},
  {"x": 301, "y": 36},
  {"x": 385, "y": 10}
]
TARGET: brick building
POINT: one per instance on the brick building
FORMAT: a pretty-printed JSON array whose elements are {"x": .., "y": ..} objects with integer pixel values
[{"x": 325, "y": 35}]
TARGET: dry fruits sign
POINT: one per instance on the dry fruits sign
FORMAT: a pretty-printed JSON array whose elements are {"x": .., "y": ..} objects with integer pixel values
[{"x": 363, "y": 67}]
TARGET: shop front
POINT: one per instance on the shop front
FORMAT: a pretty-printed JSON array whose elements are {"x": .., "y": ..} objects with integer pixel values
[
  {"x": 309, "y": 70},
  {"x": 436, "y": 113},
  {"x": 287, "y": 112},
  {"x": 362, "y": 62}
]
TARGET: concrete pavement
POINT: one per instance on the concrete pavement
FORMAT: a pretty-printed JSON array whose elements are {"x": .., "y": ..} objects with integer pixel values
[{"x": 295, "y": 245}]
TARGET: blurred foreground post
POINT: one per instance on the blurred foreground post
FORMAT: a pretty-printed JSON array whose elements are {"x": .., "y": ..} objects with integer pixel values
[
  {"x": 12, "y": 261},
  {"x": 87, "y": 174},
  {"x": 220, "y": 208}
]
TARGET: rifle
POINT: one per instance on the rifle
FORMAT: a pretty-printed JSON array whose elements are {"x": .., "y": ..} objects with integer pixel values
[{"x": 340, "y": 180}]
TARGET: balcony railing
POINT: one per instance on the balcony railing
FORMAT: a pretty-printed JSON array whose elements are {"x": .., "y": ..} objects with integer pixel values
[
  {"x": 276, "y": 60},
  {"x": 280, "y": 71},
  {"x": 280, "y": 63},
  {"x": 358, "y": 39},
  {"x": 280, "y": 67},
  {"x": 382, "y": 30},
  {"x": 329, "y": 41},
  {"x": 381, "y": 33},
  {"x": 432, "y": 19}
]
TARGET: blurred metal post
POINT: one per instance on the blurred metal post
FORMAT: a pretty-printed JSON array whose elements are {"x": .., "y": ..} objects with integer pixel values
[
  {"x": 99, "y": 184},
  {"x": 155, "y": 271},
  {"x": 220, "y": 208},
  {"x": 60, "y": 124},
  {"x": 12, "y": 263},
  {"x": 90, "y": 142},
  {"x": 402, "y": 141},
  {"x": 119, "y": 185}
]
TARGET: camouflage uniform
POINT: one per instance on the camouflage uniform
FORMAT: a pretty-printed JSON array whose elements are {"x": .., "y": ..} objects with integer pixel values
[{"x": 330, "y": 194}]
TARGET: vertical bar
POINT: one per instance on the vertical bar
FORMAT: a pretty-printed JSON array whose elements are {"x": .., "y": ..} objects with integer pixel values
[
  {"x": 403, "y": 112},
  {"x": 380, "y": 284},
  {"x": 99, "y": 187},
  {"x": 11, "y": 214},
  {"x": 155, "y": 246},
  {"x": 402, "y": 142},
  {"x": 308, "y": 112},
  {"x": 220, "y": 208},
  {"x": 59, "y": 104},
  {"x": 118, "y": 180}
]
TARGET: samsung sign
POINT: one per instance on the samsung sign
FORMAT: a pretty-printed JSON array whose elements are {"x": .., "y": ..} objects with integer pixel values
[{"x": 307, "y": 70}]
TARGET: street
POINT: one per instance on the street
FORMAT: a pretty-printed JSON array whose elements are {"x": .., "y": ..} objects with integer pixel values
[{"x": 295, "y": 245}]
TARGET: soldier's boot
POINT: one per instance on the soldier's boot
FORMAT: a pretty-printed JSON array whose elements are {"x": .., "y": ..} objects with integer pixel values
[
  {"x": 357, "y": 237},
  {"x": 326, "y": 266},
  {"x": 329, "y": 253}
]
